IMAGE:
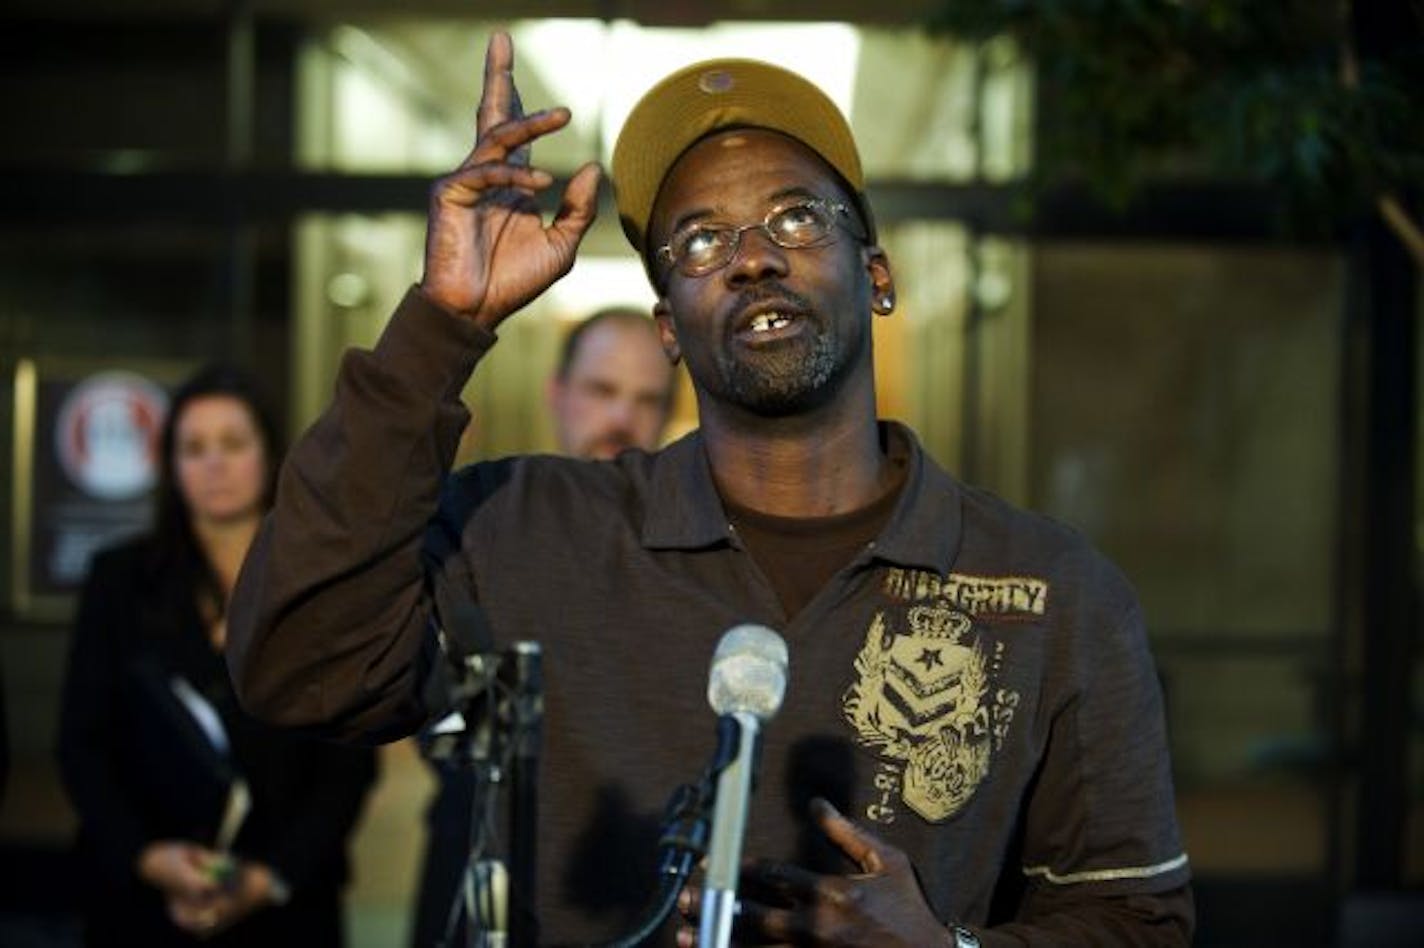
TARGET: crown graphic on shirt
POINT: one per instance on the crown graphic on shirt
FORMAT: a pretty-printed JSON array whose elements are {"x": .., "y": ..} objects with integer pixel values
[{"x": 939, "y": 621}]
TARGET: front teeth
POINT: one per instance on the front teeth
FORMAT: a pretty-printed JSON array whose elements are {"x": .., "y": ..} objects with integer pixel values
[{"x": 765, "y": 322}]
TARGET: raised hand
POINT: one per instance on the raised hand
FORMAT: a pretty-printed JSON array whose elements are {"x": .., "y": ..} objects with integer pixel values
[
  {"x": 487, "y": 249},
  {"x": 881, "y": 905}
]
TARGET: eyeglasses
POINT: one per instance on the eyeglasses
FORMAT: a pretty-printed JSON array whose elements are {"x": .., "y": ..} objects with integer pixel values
[{"x": 700, "y": 248}]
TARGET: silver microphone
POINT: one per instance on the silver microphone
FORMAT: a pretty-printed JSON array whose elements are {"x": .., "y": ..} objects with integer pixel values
[{"x": 747, "y": 684}]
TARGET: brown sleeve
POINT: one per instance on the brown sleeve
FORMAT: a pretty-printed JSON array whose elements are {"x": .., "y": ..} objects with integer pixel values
[
  {"x": 1102, "y": 856},
  {"x": 329, "y": 617},
  {"x": 1053, "y": 918}
]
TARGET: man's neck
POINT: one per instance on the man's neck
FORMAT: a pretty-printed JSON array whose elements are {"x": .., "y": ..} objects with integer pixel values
[{"x": 829, "y": 461}]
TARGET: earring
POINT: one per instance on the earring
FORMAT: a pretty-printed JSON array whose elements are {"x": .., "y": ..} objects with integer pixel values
[{"x": 885, "y": 303}]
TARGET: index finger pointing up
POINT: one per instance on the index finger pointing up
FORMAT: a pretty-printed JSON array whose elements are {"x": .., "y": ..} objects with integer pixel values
[
  {"x": 864, "y": 848},
  {"x": 499, "y": 100}
]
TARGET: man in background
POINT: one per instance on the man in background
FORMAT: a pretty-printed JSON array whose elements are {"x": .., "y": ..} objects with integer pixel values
[{"x": 612, "y": 389}]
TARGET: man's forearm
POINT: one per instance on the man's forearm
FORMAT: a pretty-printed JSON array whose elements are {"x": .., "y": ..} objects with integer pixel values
[
  {"x": 1049, "y": 920},
  {"x": 330, "y": 610}
]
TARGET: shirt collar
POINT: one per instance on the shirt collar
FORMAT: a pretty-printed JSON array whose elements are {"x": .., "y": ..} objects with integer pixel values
[
  {"x": 926, "y": 527},
  {"x": 684, "y": 510}
]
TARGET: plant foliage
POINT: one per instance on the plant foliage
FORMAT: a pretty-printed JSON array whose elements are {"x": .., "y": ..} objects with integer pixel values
[{"x": 1268, "y": 90}]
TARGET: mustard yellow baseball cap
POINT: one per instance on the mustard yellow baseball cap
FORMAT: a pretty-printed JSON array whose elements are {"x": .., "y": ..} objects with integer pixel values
[{"x": 723, "y": 93}]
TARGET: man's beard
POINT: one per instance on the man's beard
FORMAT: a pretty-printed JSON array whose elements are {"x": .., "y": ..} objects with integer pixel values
[{"x": 790, "y": 376}]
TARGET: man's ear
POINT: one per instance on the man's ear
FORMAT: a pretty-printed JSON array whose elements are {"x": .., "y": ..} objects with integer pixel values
[
  {"x": 882, "y": 281},
  {"x": 667, "y": 332}
]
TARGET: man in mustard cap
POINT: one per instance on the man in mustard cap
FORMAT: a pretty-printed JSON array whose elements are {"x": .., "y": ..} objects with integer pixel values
[{"x": 971, "y": 749}]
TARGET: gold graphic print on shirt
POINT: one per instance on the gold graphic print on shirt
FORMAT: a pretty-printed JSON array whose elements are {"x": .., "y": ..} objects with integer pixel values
[{"x": 925, "y": 699}]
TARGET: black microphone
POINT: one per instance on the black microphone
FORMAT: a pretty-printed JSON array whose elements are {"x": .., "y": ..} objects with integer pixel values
[
  {"x": 745, "y": 687},
  {"x": 462, "y": 665}
]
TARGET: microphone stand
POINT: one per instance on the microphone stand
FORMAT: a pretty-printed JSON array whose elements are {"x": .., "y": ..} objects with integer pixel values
[
  {"x": 735, "y": 779},
  {"x": 496, "y": 731},
  {"x": 746, "y": 686},
  {"x": 526, "y": 723},
  {"x": 686, "y": 827}
]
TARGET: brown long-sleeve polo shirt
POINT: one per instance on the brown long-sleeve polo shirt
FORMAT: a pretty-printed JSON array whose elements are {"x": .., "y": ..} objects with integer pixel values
[{"x": 975, "y": 686}]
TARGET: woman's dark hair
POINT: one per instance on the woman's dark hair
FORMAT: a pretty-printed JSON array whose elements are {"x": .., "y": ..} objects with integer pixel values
[{"x": 178, "y": 556}]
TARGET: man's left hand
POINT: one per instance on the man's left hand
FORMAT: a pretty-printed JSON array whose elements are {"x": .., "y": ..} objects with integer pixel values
[{"x": 881, "y": 905}]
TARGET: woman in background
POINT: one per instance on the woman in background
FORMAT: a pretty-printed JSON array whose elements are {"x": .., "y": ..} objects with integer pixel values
[{"x": 156, "y": 755}]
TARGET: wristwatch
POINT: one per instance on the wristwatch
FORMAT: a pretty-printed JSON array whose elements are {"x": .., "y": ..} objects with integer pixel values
[{"x": 963, "y": 937}]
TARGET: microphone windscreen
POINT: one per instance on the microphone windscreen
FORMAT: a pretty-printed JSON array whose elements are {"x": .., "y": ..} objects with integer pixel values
[{"x": 748, "y": 672}]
